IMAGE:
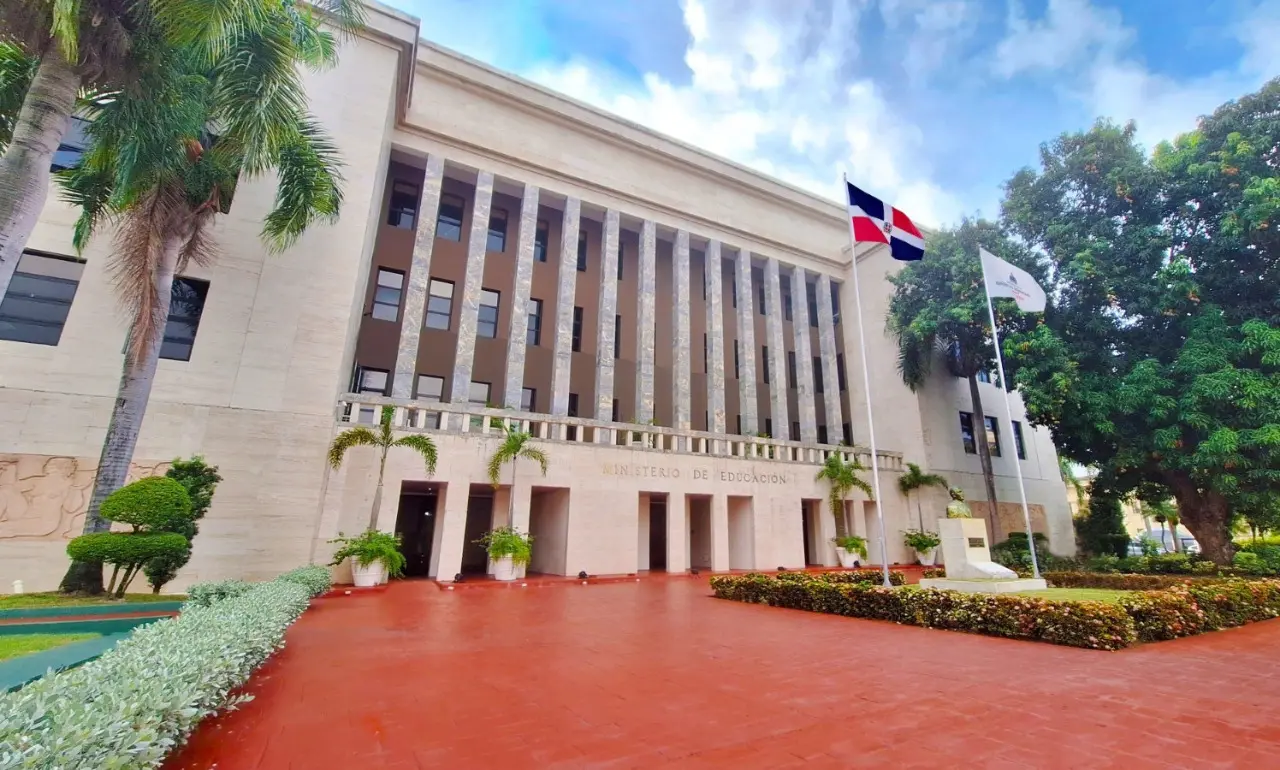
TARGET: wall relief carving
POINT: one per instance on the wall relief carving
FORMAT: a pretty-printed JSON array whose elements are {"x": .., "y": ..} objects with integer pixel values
[{"x": 44, "y": 497}]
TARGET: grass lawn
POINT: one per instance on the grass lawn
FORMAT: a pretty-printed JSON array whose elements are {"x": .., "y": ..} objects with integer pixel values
[
  {"x": 1078, "y": 594},
  {"x": 25, "y": 644},
  {"x": 55, "y": 599}
]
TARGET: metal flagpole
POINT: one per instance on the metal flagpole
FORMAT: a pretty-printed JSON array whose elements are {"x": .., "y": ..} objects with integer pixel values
[
  {"x": 1013, "y": 436},
  {"x": 866, "y": 388}
]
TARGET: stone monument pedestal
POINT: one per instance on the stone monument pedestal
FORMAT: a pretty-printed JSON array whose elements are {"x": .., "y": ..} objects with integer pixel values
[{"x": 967, "y": 557}]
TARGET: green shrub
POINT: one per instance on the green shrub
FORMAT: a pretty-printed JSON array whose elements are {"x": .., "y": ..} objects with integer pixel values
[
  {"x": 1261, "y": 558},
  {"x": 204, "y": 594},
  {"x": 1230, "y": 603},
  {"x": 508, "y": 541},
  {"x": 127, "y": 552},
  {"x": 370, "y": 546},
  {"x": 313, "y": 577},
  {"x": 920, "y": 540},
  {"x": 149, "y": 504},
  {"x": 864, "y": 575},
  {"x": 200, "y": 480},
  {"x": 934, "y": 572},
  {"x": 1164, "y": 614},
  {"x": 1014, "y": 554},
  {"x": 852, "y": 544}
]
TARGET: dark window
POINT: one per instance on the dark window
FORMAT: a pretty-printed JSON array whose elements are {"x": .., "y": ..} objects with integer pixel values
[
  {"x": 764, "y": 363},
  {"x": 39, "y": 297},
  {"x": 733, "y": 287},
  {"x": 439, "y": 304},
  {"x": 768, "y": 427},
  {"x": 430, "y": 387},
  {"x": 478, "y": 393},
  {"x": 534, "y": 334},
  {"x": 822, "y": 434},
  {"x": 449, "y": 220},
  {"x": 487, "y": 318},
  {"x": 71, "y": 148},
  {"x": 573, "y": 404},
  {"x": 617, "y": 336},
  {"x": 614, "y": 415},
  {"x": 738, "y": 421},
  {"x": 387, "y": 294},
  {"x": 186, "y": 304},
  {"x": 811, "y": 294},
  {"x": 737, "y": 375},
  {"x": 835, "y": 303},
  {"x": 791, "y": 368},
  {"x": 706, "y": 367},
  {"x": 497, "y": 230},
  {"x": 1017, "y": 440},
  {"x": 966, "y": 433},
  {"x": 993, "y": 436},
  {"x": 848, "y": 433},
  {"x": 840, "y": 376},
  {"x": 704, "y": 280},
  {"x": 577, "y": 330},
  {"x": 540, "y": 241},
  {"x": 795, "y": 431},
  {"x": 817, "y": 374},
  {"x": 621, "y": 253},
  {"x": 984, "y": 376},
  {"x": 760, "y": 303},
  {"x": 785, "y": 283},
  {"x": 582, "y": 251},
  {"x": 402, "y": 211},
  {"x": 528, "y": 400}
]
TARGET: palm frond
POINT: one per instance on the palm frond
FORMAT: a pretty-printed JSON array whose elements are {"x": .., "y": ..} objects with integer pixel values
[
  {"x": 351, "y": 437},
  {"x": 348, "y": 16},
  {"x": 17, "y": 68},
  {"x": 536, "y": 455},
  {"x": 508, "y": 450},
  {"x": 866, "y": 488},
  {"x": 424, "y": 446},
  {"x": 308, "y": 188},
  {"x": 145, "y": 235},
  {"x": 210, "y": 28}
]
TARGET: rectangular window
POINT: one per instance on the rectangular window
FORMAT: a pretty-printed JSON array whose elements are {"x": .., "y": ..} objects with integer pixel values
[
  {"x": 785, "y": 283},
  {"x": 449, "y": 220},
  {"x": 372, "y": 382},
  {"x": 1017, "y": 440},
  {"x": 387, "y": 294},
  {"x": 984, "y": 376},
  {"x": 738, "y": 423},
  {"x": 497, "y": 230},
  {"x": 614, "y": 415},
  {"x": 706, "y": 356},
  {"x": 822, "y": 434},
  {"x": 540, "y": 241},
  {"x": 573, "y": 404},
  {"x": 577, "y": 330},
  {"x": 795, "y": 431},
  {"x": 791, "y": 369},
  {"x": 993, "y": 436},
  {"x": 768, "y": 427},
  {"x": 487, "y": 317},
  {"x": 430, "y": 387},
  {"x": 617, "y": 336},
  {"x": 811, "y": 294},
  {"x": 621, "y": 253},
  {"x": 439, "y": 304},
  {"x": 582, "y": 251},
  {"x": 764, "y": 363},
  {"x": 848, "y": 434},
  {"x": 733, "y": 287},
  {"x": 840, "y": 376},
  {"x": 817, "y": 374},
  {"x": 186, "y": 305},
  {"x": 528, "y": 400},
  {"x": 35, "y": 307},
  {"x": 71, "y": 148},
  {"x": 835, "y": 303},
  {"x": 966, "y": 433},
  {"x": 737, "y": 375},
  {"x": 760, "y": 303},
  {"x": 534, "y": 334},
  {"x": 478, "y": 393},
  {"x": 402, "y": 211}
]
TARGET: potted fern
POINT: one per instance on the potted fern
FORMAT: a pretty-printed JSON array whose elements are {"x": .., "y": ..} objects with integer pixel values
[
  {"x": 509, "y": 550},
  {"x": 849, "y": 546},
  {"x": 374, "y": 556},
  {"x": 923, "y": 542}
]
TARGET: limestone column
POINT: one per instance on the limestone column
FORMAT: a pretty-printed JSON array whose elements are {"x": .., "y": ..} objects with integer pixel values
[
  {"x": 677, "y": 532},
  {"x": 681, "y": 379},
  {"x": 830, "y": 377},
  {"x": 517, "y": 335},
  {"x": 606, "y": 317},
  {"x": 804, "y": 358},
  {"x": 719, "y": 533},
  {"x": 568, "y": 284},
  {"x": 415, "y": 293},
  {"x": 645, "y": 323},
  {"x": 477, "y": 245},
  {"x": 777, "y": 362},
  {"x": 454, "y": 522},
  {"x": 746, "y": 343},
  {"x": 715, "y": 340}
]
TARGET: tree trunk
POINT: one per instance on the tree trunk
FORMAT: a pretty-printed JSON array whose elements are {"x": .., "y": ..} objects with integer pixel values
[
  {"x": 837, "y": 512},
  {"x": 24, "y": 169},
  {"x": 1173, "y": 535},
  {"x": 919, "y": 511},
  {"x": 984, "y": 455},
  {"x": 511, "y": 497},
  {"x": 377, "y": 494},
  {"x": 1207, "y": 516},
  {"x": 126, "y": 421}
]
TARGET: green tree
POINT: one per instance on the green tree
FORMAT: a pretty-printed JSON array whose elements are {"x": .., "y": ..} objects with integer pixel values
[
  {"x": 914, "y": 480},
  {"x": 200, "y": 480},
  {"x": 842, "y": 478},
  {"x": 516, "y": 445},
  {"x": 939, "y": 311},
  {"x": 383, "y": 439},
  {"x": 163, "y": 162}
]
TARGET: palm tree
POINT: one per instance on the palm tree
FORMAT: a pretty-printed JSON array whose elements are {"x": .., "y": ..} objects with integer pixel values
[
  {"x": 842, "y": 477},
  {"x": 162, "y": 163},
  {"x": 915, "y": 479},
  {"x": 1068, "y": 474},
  {"x": 515, "y": 445},
  {"x": 384, "y": 439}
]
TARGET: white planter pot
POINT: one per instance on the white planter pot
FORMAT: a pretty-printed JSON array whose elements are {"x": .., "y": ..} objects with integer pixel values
[
  {"x": 504, "y": 569},
  {"x": 926, "y": 557},
  {"x": 369, "y": 575},
  {"x": 847, "y": 558}
]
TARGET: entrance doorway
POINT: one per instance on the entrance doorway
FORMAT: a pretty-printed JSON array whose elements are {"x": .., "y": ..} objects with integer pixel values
[
  {"x": 653, "y": 530},
  {"x": 475, "y": 559},
  {"x": 812, "y": 534},
  {"x": 416, "y": 526}
]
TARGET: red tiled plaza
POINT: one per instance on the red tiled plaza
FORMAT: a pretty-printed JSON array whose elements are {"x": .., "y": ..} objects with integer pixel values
[{"x": 659, "y": 674}]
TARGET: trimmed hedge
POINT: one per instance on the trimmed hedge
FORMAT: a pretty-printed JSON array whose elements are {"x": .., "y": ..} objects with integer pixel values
[
  {"x": 1196, "y": 607},
  {"x": 1126, "y": 581},
  {"x": 868, "y": 576},
  {"x": 129, "y": 708}
]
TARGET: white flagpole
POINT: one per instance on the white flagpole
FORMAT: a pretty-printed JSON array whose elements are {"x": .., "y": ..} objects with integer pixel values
[
  {"x": 1013, "y": 436},
  {"x": 866, "y": 388}
]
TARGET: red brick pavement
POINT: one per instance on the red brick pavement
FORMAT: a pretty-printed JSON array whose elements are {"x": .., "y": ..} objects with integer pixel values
[{"x": 659, "y": 674}]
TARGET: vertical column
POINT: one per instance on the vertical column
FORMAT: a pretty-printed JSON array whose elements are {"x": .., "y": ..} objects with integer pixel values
[
  {"x": 568, "y": 284},
  {"x": 830, "y": 378},
  {"x": 715, "y": 340},
  {"x": 719, "y": 533},
  {"x": 746, "y": 343},
  {"x": 644, "y": 340},
  {"x": 677, "y": 532},
  {"x": 517, "y": 336},
  {"x": 681, "y": 379},
  {"x": 415, "y": 294},
  {"x": 454, "y": 523},
  {"x": 777, "y": 362},
  {"x": 608, "y": 309},
  {"x": 804, "y": 358},
  {"x": 477, "y": 245}
]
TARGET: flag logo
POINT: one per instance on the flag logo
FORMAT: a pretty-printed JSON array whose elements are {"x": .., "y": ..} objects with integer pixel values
[
  {"x": 874, "y": 222},
  {"x": 1019, "y": 286}
]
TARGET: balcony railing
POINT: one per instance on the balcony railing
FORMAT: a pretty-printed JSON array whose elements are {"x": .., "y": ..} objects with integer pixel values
[{"x": 412, "y": 415}]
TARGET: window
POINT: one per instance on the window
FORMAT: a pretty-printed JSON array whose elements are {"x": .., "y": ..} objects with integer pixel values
[
  {"x": 402, "y": 211},
  {"x": 817, "y": 375},
  {"x": 372, "y": 382},
  {"x": 835, "y": 303},
  {"x": 795, "y": 431},
  {"x": 478, "y": 393},
  {"x": 733, "y": 287},
  {"x": 768, "y": 427},
  {"x": 738, "y": 422},
  {"x": 706, "y": 368},
  {"x": 848, "y": 433},
  {"x": 993, "y": 436},
  {"x": 35, "y": 307},
  {"x": 439, "y": 304},
  {"x": 621, "y": 253},
  {"x": 534, "y": 334},
  {"x": 966, "y": 434},
  {"x": 764, "y": 361},
  {"x": 582, "y": 251},
  {"x": 811, "y": 295},
  {"x": 540, "y": 241},
  {"x": 822, "y": 434},
  {"x": 760, "y": 303},
  {"x": 617, "y": 336},
  {"x": 791, "y": 368},
  {"x": 785, "y": 283},
  {"x": 614, "y": 415},
  {"x": 186, "y": 304},
  {"x": 1017, "y": 440},
  {"x": 387, "y": 294},
  {"x": 449, "y": 220},
  {"x": 990, "y": 378},
  {"x": 573, "y": 404},
  {"x": 528, "y": 400},
  {"x": 737, "y": 375},
  {"x": 497, "y": 230},
  {"x": 73, "y": 145},
  {"x": 577, "y": 330},
  {"x": 429, "y": 387},
  {"x": 840, "y": 371},
  {"x": 487, "y": 317}
]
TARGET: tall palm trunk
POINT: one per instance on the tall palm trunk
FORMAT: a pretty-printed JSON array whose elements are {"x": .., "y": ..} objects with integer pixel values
[
  {"x": 919, "y": 510},
  {"x": 511, "y": 495},
  {"x": 126, "y": 417},
  {"x": 377, "y": 493},
  {"x": 837, "y": 511},
  {"x": 984, "y": 455},
  {"x": 24, "y": 169}
]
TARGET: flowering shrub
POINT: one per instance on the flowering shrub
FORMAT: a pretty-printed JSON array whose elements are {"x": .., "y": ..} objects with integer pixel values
[
  {"x": 934, "y": 572},
  {"x": 132, "y": 706},
  {"x": 1167, "y": 614},
  {"x": 873, "y": 576},
  {"x": 1125, "y": 581}
]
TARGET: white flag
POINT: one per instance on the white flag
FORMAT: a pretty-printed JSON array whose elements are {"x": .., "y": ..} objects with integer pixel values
[{"x": 1005, "y": 280}]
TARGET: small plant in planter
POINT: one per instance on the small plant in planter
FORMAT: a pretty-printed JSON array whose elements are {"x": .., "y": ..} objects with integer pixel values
[
  {"x": 509, "y": 549},
  {"x": 923, "y": 542},
  {"x": 852, "y": 545},
  {"x": 374, "y": 556}
]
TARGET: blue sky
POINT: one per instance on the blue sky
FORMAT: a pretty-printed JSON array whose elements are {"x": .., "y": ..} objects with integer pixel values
[{"x": 931, "y": 104}]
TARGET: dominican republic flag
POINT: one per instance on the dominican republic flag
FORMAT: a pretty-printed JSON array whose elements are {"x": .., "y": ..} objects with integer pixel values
[{"x": 870, "y": 224}]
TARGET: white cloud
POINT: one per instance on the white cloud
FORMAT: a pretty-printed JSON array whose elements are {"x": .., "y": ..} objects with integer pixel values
[
  {"x": 1069, "y": 30},
  {"x": 936, "y": 28}
]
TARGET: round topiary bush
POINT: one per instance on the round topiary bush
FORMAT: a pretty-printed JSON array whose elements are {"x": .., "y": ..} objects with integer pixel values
[{"x": 148, "y": 504}]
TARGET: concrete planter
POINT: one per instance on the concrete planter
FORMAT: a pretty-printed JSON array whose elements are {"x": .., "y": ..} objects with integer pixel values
[
  {"x": 505, "y": 569},
  {"x": 372, "y": 574},
  {"x": 847, "y": 558},
  {"x": 927, "y": 557}
]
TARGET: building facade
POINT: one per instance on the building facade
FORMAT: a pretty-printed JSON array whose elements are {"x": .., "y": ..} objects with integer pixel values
[{"x": 677, "y": 331}]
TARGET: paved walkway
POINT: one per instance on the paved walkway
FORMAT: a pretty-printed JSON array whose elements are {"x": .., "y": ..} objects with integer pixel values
[{"x": 659, "y": 675}]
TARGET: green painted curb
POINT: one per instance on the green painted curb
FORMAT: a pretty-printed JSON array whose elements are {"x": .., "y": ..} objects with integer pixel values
[
  {"x": 86, "y": 626},
  {"x": 68, "y": 611},
  {"x": 16, "y": 672}
]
